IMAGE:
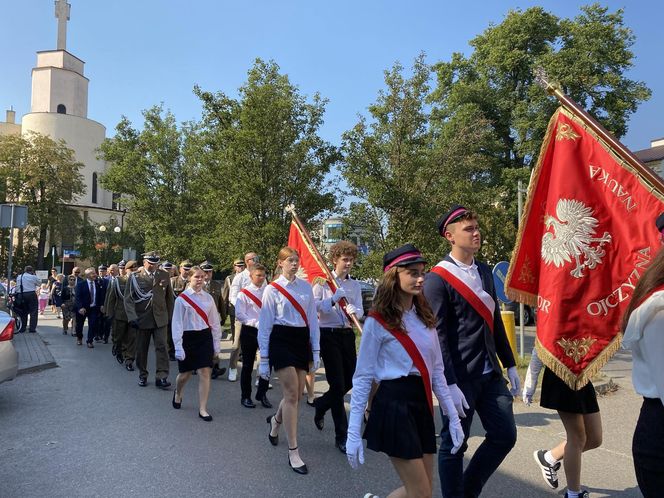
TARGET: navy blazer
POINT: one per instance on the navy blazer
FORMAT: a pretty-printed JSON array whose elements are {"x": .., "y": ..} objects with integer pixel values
[
  {"x": 83, "y": 294},
  {"x": 465, "y": 338}
]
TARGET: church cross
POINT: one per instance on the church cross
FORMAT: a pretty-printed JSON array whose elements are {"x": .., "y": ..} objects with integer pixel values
[{"x": 62, "y": 11}]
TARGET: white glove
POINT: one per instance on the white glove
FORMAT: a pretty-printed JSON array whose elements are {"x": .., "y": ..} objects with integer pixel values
[
  {"x": 527, "y": 397},
  {"x": 515, "y": 382},
  {"x": 459, "y": 399},
  {"x": 264, "y": 369},
  {"x": 456, "y": 432},
  {"x": 354, "y": 450},
  {"x": 338, "y": 294},
  {"x": 316, "y": 361},
  {"x": 179, "y": 354},
  {"x": 530, "y": 382},
  {"x": 351, "y": 310}
]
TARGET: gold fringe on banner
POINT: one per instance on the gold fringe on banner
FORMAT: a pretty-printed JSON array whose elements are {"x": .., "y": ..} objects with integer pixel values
[{"x": 566, "y": 375}]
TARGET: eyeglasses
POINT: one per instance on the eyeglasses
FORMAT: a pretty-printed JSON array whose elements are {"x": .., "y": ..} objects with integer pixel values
[{"x": 77, "y": 273}]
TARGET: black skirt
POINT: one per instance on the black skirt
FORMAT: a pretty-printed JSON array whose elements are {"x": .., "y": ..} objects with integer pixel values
[
  {"x": 557, "y": 395},
  {"x": 400, "y": 422},
  {"x": 290, "y": 347},
  {"x": 198, "y": 350}
]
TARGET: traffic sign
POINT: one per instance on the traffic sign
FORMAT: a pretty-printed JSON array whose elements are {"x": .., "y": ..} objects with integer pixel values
[{"x": 499, "y": 276}]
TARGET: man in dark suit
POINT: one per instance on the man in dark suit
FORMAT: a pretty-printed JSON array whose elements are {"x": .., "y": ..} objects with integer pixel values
[
  {"x": 89, "y": 303},
  {"x": 472, "y": 337}
]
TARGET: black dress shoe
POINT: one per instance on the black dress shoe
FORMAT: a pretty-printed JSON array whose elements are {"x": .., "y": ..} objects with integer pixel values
[
  {"x": 119, "y": 358},
  {"x": 319, "y": 419},
  {"x": 311, "y": 403},
  {"x": 162, "y": 383},
  {"x": 207, "y": 418},
  {"x": 341, "y": 446},
  {"x": 265, "y": 402},
  {"x": 274, "y": 440},
  {"x": 90, "y": 345},
  {"x": 129, "y": 367},
  {"x": 217, "y": 372},
  {"x": 142, "y": 382},
  {"x": 302, "y": 469},
  {"x": 176, "y": 405},
  {"x": 247, "y": 403}
]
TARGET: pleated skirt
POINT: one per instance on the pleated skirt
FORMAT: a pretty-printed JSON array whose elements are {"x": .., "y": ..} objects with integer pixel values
[
  {"x": 290, "y": 347},
  {"x": 198, "y": 350}
]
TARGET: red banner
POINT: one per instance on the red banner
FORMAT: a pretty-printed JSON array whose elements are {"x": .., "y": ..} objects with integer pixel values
[
  {"x": 310, "y": 267},
  {"x": 587, "y": 235}
]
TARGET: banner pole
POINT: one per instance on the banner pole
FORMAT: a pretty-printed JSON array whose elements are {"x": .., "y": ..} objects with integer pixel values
[{"x": 319, "y": 259}]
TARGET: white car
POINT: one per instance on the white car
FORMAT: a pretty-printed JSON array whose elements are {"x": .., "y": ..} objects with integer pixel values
[{"x": 8, "y": 355}]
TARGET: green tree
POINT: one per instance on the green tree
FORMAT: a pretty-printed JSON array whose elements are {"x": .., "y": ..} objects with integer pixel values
[
  {"x": 44, "y": 175},
  {"x": 260, "y": 153}
]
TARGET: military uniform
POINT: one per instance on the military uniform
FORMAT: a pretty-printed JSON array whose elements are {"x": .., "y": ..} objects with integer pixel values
[
  {"x": 148, "y": 299},
  {"x": 123, "y": 336}
]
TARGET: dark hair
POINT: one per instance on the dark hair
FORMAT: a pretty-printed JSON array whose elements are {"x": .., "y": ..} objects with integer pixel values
[
  {"x": 259, "y": 267},
  {"x": 652, "y": 278},
  {"x": 386, "y": 302}
]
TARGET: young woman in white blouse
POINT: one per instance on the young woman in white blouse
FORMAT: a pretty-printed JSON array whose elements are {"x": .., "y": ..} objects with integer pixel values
[
  {"x": 400, "y": 349},
  {"x": 288, "y": 337},
  {"x": 196, "y": 333},
  {"x": 643, "y": 326}
]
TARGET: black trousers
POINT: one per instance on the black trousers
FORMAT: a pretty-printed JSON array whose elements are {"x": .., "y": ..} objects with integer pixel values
[
  {"x": 94, "y": 323},
  {"x": 249, "y": 346},
  {"x": 29, "y": 307},
  {"x": 337, "y": 348},
  {"x": 648, "y": 448}
]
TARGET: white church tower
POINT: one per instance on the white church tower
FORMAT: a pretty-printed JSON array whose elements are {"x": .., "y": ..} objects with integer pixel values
[{"x": 59, "y": 109}]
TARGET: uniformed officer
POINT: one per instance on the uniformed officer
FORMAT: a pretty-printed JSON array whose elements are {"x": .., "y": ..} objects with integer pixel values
[
  {"x": 169, "y": 268},
  {"x": 148, "y": 299},
  {"x": 124, "y": 336},
  {"x": 179, "y": 283},
  {"x": 215, "y": 289}
]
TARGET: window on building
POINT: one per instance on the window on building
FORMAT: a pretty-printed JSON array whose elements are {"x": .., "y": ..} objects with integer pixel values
[
  {"x": 62, "y": 109},
  {"x": 94, "y": 188}
]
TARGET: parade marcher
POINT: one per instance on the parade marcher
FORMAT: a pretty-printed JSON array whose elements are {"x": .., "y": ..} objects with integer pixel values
[
  {"x": 400, "y": 349},
  {"x": 179, "y": 283},
  {"x": 240, "y": 281},
  {"x": 68, "y": 305},
  {"x": 123, "y": 335},
  {"x": 337, "y": 339},
  {"x": 472, "y": 337},
  {"x": 121, "y": 267},
  {"x": 238, "y": 267},
  {"x": 89, "y": 303},
  {"x": 167, "y": 266},
  {"x": 148, "y": 299},
  {"x": 248, "y": 305},
  {"x": 288, "y": 338},
  {"x": 643, "y": 324},
  {"x": 215, "y": 289},
  {"x": 104, "y": 323},
  {"x": 197, "y": 338},
  {"x": 26, "y": 302}
]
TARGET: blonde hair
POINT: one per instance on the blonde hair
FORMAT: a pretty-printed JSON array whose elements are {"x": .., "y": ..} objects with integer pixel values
[{"x": 286, "y": 252}]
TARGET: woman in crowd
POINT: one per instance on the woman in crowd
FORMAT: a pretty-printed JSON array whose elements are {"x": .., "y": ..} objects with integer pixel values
[
  {"x": 288, "y": 337},
  {"x": 56, "y": 294},
  {"x": 643, "y": 326},
  {"x": 400, "y": 349},
  {"x": 67, "y": 305},
  {"x": 196, "y": 336}
]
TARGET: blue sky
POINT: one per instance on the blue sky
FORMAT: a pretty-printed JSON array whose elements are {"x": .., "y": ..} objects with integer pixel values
[{"x": 142, "y": 52}]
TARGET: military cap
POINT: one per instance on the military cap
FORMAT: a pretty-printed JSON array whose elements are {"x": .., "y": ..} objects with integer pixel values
[
  {"x": 130, "y": 265},
  {"x": 239, "y": 262},
  {"x": 151, "y": 257},
  {"x": 186, "y": 264},
  {"x": 405, "y": 255},
  {"x": 456, "y": 211},
  {"x": 167, "y": 265},
  {"x": 102, "y": 267},
  {"x": 122, "y": 263},
  {"x": 206, "y": 265}
]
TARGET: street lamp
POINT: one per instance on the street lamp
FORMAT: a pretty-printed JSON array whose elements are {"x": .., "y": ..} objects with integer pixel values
[{"x": 103, "y": 229}]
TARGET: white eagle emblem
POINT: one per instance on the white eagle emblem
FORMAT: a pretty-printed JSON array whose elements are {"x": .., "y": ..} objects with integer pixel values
[{"x": 573, "y": 237}]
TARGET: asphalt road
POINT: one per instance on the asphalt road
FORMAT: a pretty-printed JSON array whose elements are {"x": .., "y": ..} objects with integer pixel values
[{"x": 86, "y": 429}]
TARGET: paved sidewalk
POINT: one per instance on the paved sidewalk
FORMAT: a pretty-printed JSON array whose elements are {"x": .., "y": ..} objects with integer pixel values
[{"x": 33, "y": 353}]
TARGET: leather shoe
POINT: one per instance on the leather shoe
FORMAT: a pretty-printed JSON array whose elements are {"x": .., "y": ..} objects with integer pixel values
[
  {"x": 341, "y": 446},
  {"x": 302, "y": 469},
  {"x": 90, "y": 345},
  {"x": 207, "y": 418},
  {"x": 319, "y": 420},
  {"x": 129, "y": 367},
  {"x": 119, "y": 358},
  {"x": 265, "y": 402},
  {"x": 162, "y": 383},
  {"x": 247, "y": 403},
  {"x": 274, "y": 440},
  {"x": 217, "y": 372},
  {"x": 142, "y": 382},
  {"x": 175, "y": 404}
]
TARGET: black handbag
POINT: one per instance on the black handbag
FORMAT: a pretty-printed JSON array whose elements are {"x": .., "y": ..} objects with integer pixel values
[{"x": 18, "y": 297}]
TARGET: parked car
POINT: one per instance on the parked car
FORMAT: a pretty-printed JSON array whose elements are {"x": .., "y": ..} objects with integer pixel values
[
  {"x": 368, "y": 292},
  {"x": 529, "y": 313},
  {"x": 8, "y": 355}
]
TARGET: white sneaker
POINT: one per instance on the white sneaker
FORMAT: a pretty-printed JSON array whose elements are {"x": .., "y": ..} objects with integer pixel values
[{"x": 232, "y": 374}]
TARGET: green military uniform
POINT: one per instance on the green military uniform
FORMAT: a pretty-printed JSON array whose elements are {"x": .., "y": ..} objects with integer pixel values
[
  {"x": 124, "y": 336},
  {"x": 149, "y": 301}
]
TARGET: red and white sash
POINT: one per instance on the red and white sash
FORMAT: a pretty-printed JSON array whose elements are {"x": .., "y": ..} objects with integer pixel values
[
  {"x": 253, "y": 297},
  {"x": 414, "y": 353},
  {"x": 481, "y": 302},
  {"x": 292, "y": 300},
  {"x": 196, "y": 307}
]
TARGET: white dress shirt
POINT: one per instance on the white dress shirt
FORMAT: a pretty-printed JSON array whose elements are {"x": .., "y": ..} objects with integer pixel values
[
  {"x": 185, "y": 317},
  {"x": 30, "y": 282},
  {"x": 246, "y": 310},
  {"x": 240, "y": 281},
  {"x": 277, "y": 310},
  {"x": 644, "y": 336},
  {"x": 382, "y": 357},
  {"x": 330, "y": 314}
]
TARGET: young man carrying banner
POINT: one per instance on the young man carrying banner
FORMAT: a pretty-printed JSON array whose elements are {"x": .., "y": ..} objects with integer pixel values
[{"x": 472, "y": 337}]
